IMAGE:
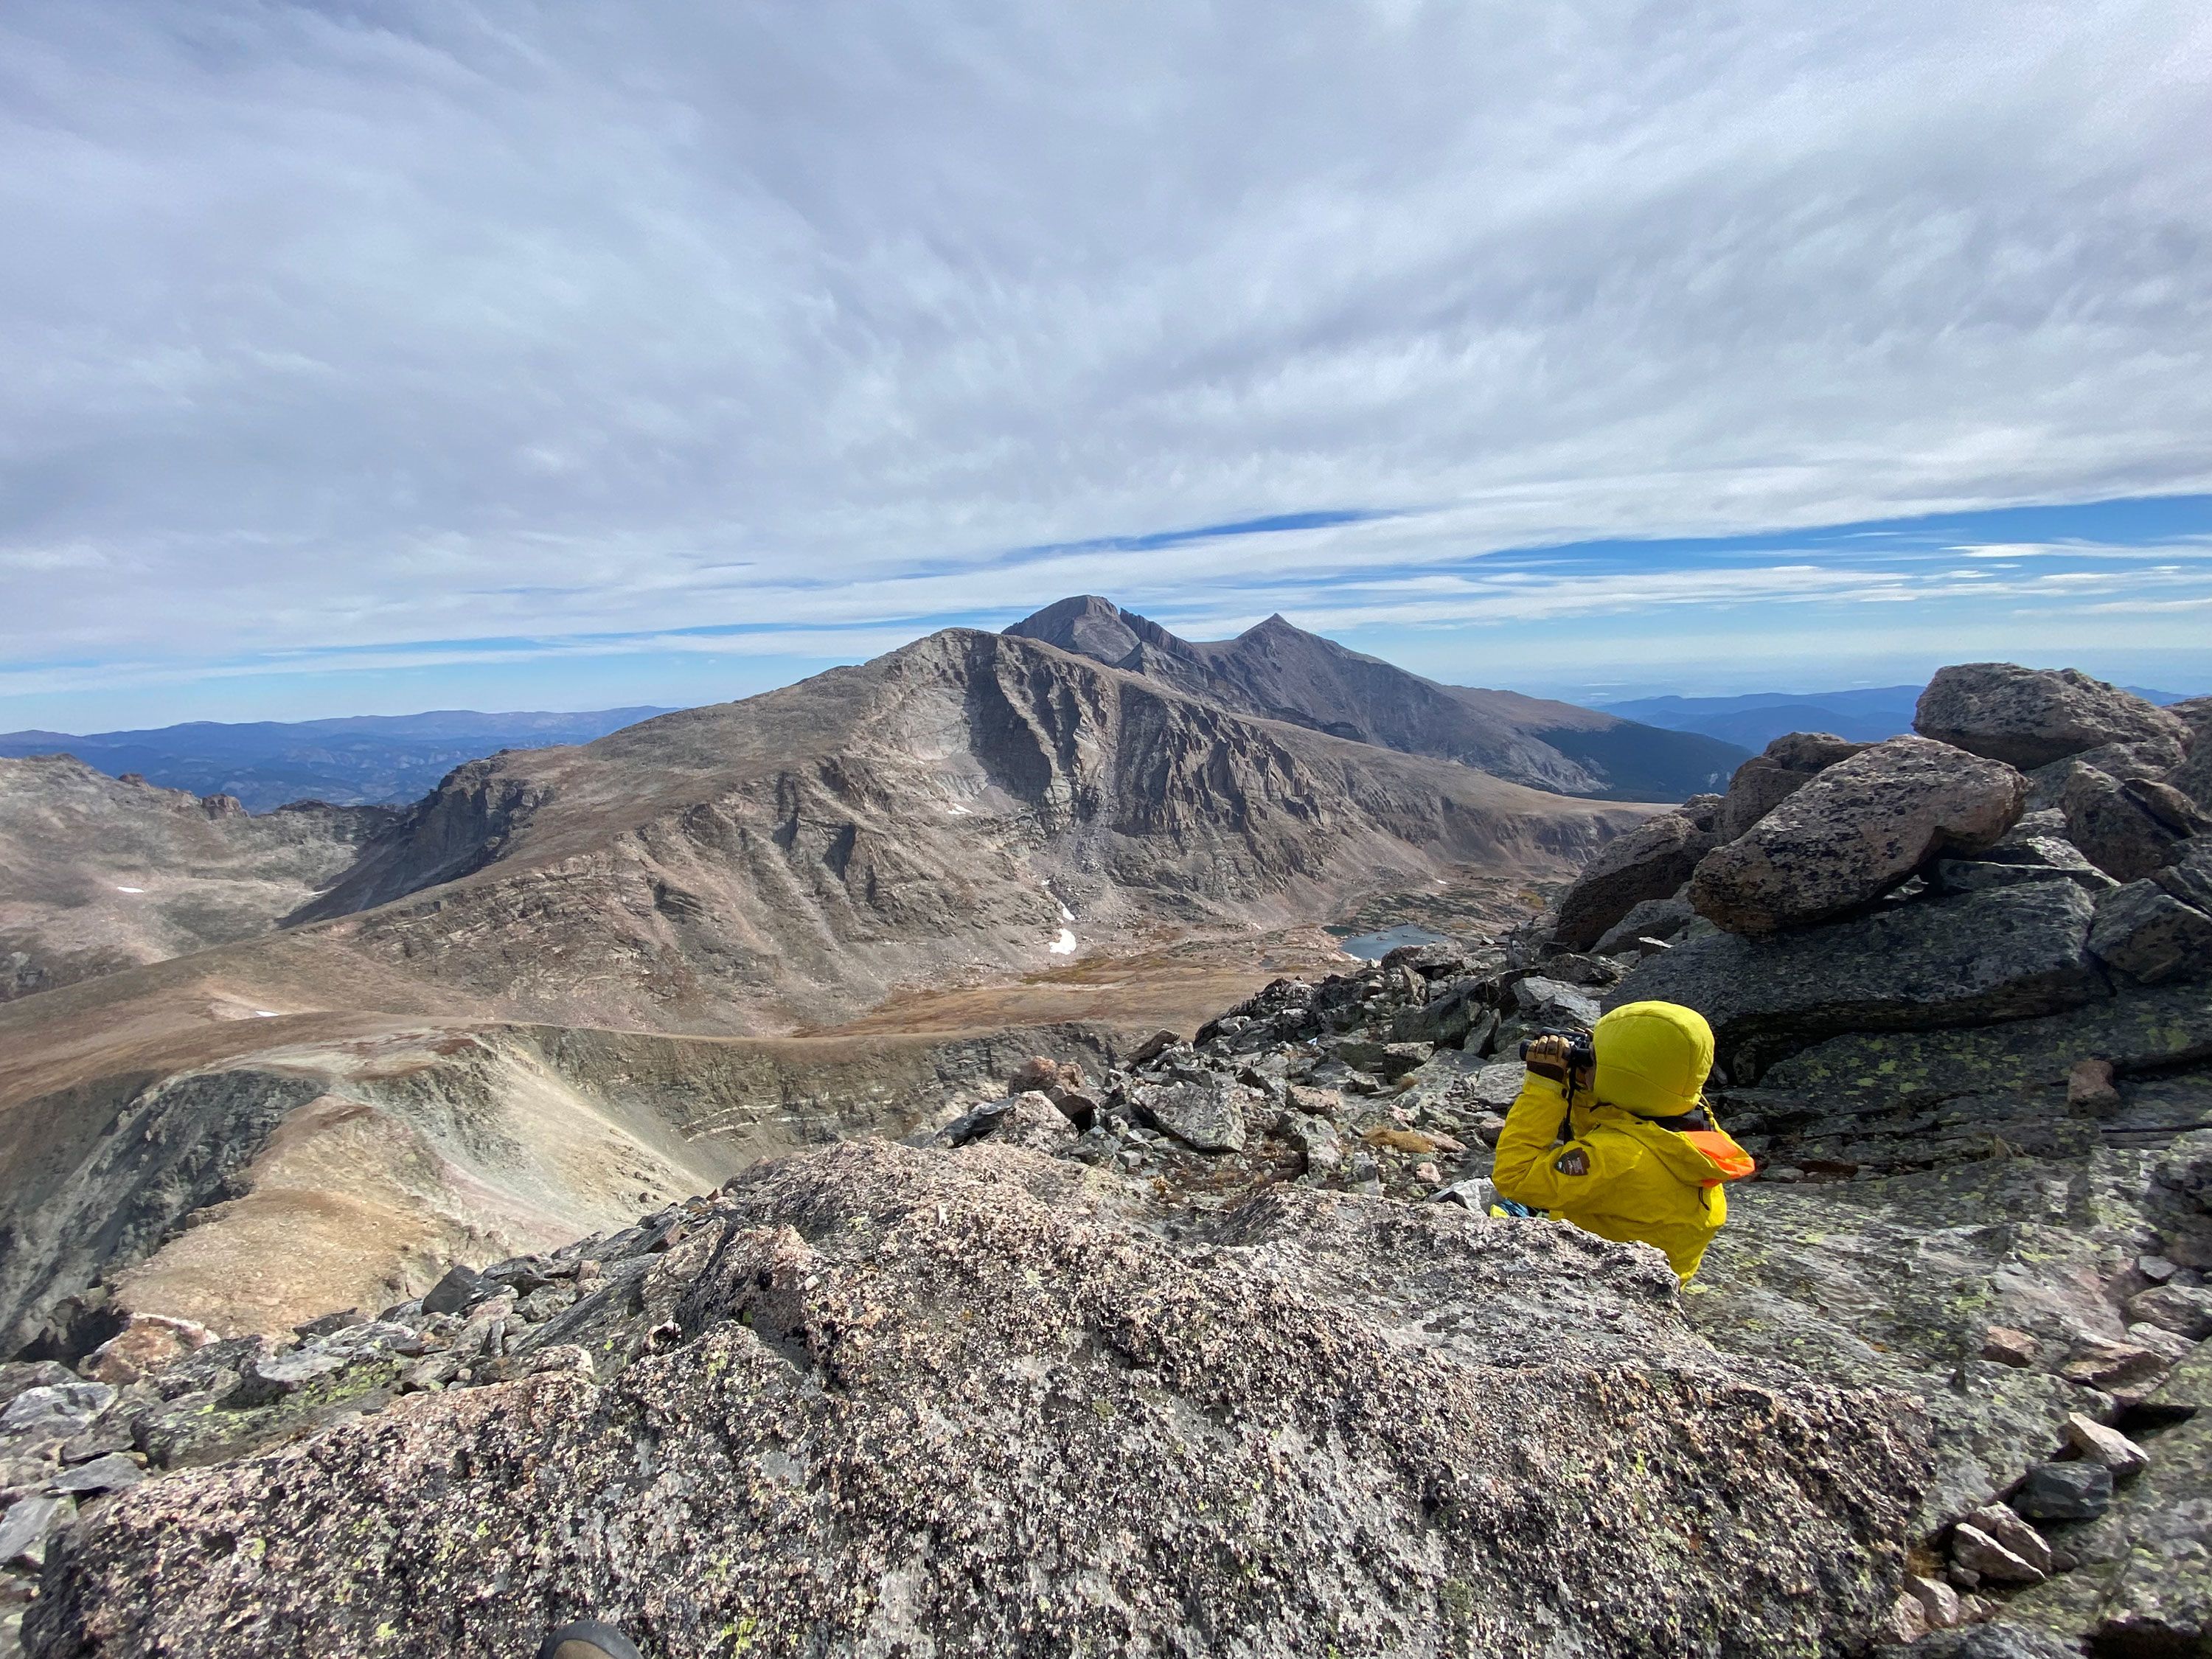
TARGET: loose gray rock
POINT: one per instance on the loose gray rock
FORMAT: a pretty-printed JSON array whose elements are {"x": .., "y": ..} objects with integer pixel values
[
  {"x": 2189, "y": 877},
  {"x": 55, "y": 1411},
  {"x": 30, "y": 1526},
  {"x": 2064, "y": 1491},
  {"x": 2020, "y": 858},
  {"x": 1384, "y": 1060},
  {"x": 1549, "y": 1002},
  {"x": 2029, "y": 717},
  {"x": 112, "y": 1472},
  {"x": 1649, "y": 862},
  {"x": 1658, "y": 919},
  {"x": 272, "y": 1376},
  {"x": 461, "y": 1287},
  {"x": 2149, "y": 935},
  {"x": 1203, "y": 1113},
  {"x": 18, "y": 1376},
  {"x": 1854, "y": 832},
  {"x": 2185, "y": 1310}
]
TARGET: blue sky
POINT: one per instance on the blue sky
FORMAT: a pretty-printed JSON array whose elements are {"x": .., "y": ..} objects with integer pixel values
[{"x": 370, "y": 360}]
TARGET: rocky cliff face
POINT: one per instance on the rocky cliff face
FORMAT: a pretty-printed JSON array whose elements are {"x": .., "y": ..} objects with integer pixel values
[
  {"x": 971, "y": 803},
  {"x": 97, "y": 873},
  {"x": 1281, "y": 673}
]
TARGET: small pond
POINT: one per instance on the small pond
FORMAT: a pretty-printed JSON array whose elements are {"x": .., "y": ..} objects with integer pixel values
[{"x": 1373, "y": 947}]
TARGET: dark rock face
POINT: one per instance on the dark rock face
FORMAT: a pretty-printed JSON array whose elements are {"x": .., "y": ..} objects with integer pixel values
[
  {"x": 2149, "y": 935},
  {"x": 1766, "y": 780},
  {"x": 2006, "y": 953},
  {"x": 2128, "y": 828},
  {"x": 1649, "y": 862},
  {"x": 1281, "y": 673},
  {"x": 1855, "y": 831},
  {"x": 882, "y": 1399},
  {"x": 2065, "y": 1491},
  {"x": 2193, "y": 777},
  {"x": 1658, "y": 919},
  {"x": 2030, "y": 717}
]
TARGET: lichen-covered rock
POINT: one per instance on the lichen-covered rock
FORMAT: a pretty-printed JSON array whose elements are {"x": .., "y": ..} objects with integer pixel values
[
  {"x": 2193, "y": 777},
  {"x": 1204, "y": 1113},
  {"x": 2128, "y": 829},
  {"x": 2006, "y": 953},
  {"x": 1857, "y": 829},
  {"x": 2029, "y": 717},
  {"x": 1862, "y": 1072},
  {"x": 1648, "y": 862},
  {"x": 2149, "y": 935},
  {"x": 1897, "y": 1283},
  {"x": 1766, "y": 780},
  {"x": 893, "y": 1401},
  {"x": 2144, "y": 1584}
]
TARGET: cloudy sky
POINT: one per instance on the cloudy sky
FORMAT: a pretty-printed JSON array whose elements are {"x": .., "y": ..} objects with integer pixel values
[{"x": 515, "y": 353}]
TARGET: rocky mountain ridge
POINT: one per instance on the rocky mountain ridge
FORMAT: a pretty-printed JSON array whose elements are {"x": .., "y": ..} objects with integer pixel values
[
  {"x": 1281, "y": 673},
  {"x": 1213, "y": 1340},
  {"x": 98, "y": 873},
  {"x": 970, "y": 803}
]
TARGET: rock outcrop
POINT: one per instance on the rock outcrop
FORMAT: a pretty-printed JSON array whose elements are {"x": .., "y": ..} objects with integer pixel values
[
  {"x": 873, "y": 1399},
  {"x": 2128, "y": 828},
  {"x": 1854, "y": 830},
  {"x": 2030, "y": 717},
  {"x": 1645, "y": 865},
  {"x": 2004, "y": 953},
  {"x": 1766, "y": 780}
]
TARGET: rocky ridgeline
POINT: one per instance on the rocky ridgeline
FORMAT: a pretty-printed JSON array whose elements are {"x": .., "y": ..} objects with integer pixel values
[{"x": 1215, "y": 1349}]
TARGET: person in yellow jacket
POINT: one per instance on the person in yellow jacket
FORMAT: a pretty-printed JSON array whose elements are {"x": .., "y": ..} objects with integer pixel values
[{"x": 1626, "y": 1149}]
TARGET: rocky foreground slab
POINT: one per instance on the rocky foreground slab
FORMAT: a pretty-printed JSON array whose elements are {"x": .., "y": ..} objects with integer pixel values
[{"x": 886, "y": 1399}]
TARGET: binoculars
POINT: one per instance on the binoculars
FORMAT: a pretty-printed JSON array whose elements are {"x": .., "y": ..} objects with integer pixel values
[{"x": 1581, "y": 1053}]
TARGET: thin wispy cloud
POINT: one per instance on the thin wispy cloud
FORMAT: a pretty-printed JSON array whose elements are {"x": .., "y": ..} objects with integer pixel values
[{"x": 333, "y": 327}]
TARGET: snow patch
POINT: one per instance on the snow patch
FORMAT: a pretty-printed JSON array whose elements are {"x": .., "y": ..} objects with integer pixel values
[
  {"x": 267, "y": 1014},
  {"x": 121, "y": 889},
  {"x": 1065, "y": 945},
  {"x": 1066, "y": 914},
  {"x": 958, "y": 810}
]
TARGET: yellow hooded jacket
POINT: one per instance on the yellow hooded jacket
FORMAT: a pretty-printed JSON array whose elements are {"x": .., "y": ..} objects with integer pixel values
[{"x": 1623, "y": 1177}]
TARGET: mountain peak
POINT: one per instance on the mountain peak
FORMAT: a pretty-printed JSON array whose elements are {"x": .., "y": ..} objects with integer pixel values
[{"x": 1095, "y": 628}]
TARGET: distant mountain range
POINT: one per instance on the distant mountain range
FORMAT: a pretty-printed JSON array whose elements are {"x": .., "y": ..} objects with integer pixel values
[
  {"x": 1756, "y": 719},
  {"x": 364, "y": 760}
]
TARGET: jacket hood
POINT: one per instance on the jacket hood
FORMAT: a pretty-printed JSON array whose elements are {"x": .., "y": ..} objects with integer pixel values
[{"x": 1653, "y": 1058}]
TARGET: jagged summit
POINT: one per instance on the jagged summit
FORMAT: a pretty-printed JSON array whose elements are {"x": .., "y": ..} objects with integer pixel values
[{"x": 1281, "y": 672}]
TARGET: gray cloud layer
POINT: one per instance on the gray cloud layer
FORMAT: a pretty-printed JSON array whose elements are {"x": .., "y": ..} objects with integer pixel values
[{"x": 340, "y": 325}]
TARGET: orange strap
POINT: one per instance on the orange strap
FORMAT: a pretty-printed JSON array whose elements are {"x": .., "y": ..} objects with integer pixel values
[{"x": 1730, "y": 1161}]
